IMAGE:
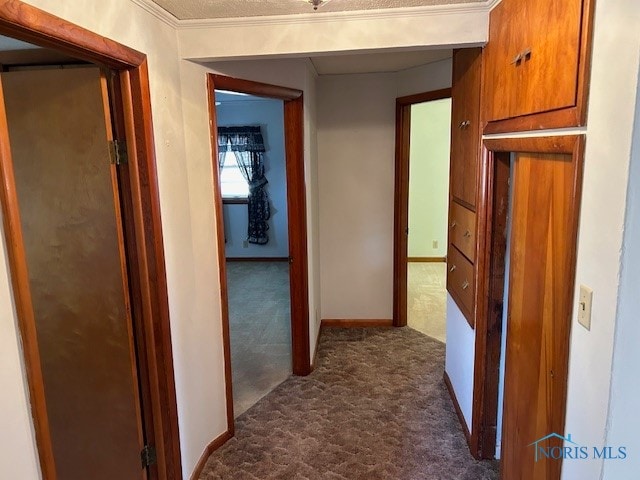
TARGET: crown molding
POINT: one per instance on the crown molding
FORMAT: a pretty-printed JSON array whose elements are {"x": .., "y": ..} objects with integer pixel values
[
  {"x": 157, "y": 11},
  {"x": 380, "y": 14}
]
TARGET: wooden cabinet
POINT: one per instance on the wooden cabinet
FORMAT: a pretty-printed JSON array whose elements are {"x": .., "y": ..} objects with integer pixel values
[
  {"x": 465, "y": 162},
  {"x": 536, "y": 63},
  {"x": 465, "y": 124},
  {"x": 462, "y": 230},
  {"x": 460, "y": 281}
]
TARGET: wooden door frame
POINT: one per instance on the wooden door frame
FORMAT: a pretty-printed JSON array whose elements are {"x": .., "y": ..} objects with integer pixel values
[
  {"x": 401, "y": 198},
  {"x": 296, "y": 214},
  {"x": 142, "y": 228},
  {"x": 492, "y": 218}
]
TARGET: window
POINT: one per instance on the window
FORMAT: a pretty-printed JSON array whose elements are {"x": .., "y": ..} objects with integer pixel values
[{"x": 233, "y": 183}]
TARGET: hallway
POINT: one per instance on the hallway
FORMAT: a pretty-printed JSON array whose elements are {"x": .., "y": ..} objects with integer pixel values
[{"x": 375, "y": 407}]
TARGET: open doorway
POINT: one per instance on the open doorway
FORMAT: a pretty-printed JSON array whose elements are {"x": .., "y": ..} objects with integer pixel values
[
  {"x": 86, "y": 266},
  {"x": 253, "y": 185},
  {"x": 259, "y": 190},
  {"x": 422, "y": 197}
]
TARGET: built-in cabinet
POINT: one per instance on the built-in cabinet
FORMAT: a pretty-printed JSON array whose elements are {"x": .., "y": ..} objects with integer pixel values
[
  {"x": 465, "y": 160},
  {"x": 535, "y": 64},
  {"x": 465, "y": 125},
  {"x": 532, "y": 75}
]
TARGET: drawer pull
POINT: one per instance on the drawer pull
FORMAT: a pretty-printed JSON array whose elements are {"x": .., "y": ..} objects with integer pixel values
[
  {"x": 453, "y": 267},
  {"x": 453, "y": 224},
  {"x": 467, "y": 234},
  {"x": 526, "y": 55},
  {"x": 516, "y": 59},
  {"x": 465, "y": 285}
]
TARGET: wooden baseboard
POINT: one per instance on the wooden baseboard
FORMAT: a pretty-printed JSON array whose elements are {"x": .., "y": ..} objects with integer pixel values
[
  {"x": 454, "y": 399},
  {"x": 257, "y": 259},
  {"x": 209, "y": 449},
  {"x": 355, "y": 323},
  {"x": 426, "y": 259}
]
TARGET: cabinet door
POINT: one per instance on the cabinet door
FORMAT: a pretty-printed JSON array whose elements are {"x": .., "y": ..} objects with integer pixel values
[
  {"x": 465, "y": 124},
  {"x": 501, "y": 70},
  {"x": 548, "y": 71}
]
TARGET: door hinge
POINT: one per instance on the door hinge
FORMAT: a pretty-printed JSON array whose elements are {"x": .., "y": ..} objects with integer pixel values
[
  {"x": 148, "y": 456},
  {"x": 118, "y": 152}
]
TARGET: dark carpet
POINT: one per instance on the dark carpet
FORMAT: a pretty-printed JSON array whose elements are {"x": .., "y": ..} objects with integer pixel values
[{"x": 375, "y": 407}]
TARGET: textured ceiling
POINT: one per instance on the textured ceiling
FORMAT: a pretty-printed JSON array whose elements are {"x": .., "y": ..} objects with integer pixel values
[{"x": 204, "y": 9}]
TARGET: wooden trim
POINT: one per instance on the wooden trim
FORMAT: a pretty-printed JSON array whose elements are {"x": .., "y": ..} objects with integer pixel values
[
  {"x": 489, "y": 301},
  {"x": 215, "y": 444},
  {"x": 401, "y": 199},
  {"x": 297, "y": 218},
  {"x": 426, "y": 259},
  {"x": 235, "y": 201},
  {"x": 424, "y": 97},
  {"x": 30, "y": 24},
  {"x": 222, "y": 265},
  {"x": 297, "y": 221},
  {"x": 257, "y": 259},
  {"x": 456, "y": 405},
  {"x": 143, "y": 232},
  {"x": 355, "y": 323},
  {"x": 223, "y": 82},
  {"x": 489, "y": 253},
  {"x": 552, "y": 144}
]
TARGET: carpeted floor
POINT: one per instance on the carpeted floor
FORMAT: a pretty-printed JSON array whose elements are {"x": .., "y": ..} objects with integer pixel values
[{"x": 374, "y": 408}]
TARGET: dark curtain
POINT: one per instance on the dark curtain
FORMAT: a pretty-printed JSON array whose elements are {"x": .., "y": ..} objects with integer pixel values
[{"x": 248, "y": 146}]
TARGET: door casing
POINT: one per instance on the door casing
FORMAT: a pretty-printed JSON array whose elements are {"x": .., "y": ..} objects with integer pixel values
[
  {"x": 131, "y": 105},
  {"x": 401, "y": 199},
  {"x": 297, "y": 221}
]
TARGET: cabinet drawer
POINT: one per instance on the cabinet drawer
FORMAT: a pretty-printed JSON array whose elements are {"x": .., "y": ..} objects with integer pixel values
[
  {"x": 462, "y": 230},
  {"x": 460, "y": 282}
]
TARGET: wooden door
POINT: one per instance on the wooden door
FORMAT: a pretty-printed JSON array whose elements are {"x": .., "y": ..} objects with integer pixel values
[
  {"x": 67, "y": 196},
  {"x": 548, "y": 70},
  {"x": 465, "y": 128},
  {"x": 543, "y": 242}
]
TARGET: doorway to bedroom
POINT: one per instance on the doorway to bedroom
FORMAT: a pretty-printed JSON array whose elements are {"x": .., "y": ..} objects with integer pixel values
[
  {"x": 251, "y": 150},
  {"x": 422, "y": 192}
]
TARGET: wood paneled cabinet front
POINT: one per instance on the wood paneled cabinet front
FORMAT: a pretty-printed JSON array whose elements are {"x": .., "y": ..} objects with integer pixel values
[
  {"x": 535, "y": 60},
  {"x": 465, "y": 124}
]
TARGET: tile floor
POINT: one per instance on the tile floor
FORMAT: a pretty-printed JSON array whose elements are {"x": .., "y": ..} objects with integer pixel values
[
  {"x": 426, "y": 299},
  {"x": 260, "y": 329}
]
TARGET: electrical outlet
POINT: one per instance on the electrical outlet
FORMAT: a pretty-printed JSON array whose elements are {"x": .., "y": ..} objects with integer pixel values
[
  {"x": 584, "y": 307},
  {"x": 245, "y": 244},
  {"x": 435, "y": 244}
]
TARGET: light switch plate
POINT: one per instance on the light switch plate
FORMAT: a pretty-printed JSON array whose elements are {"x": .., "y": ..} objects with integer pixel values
[{"x": 584, "y": 307}]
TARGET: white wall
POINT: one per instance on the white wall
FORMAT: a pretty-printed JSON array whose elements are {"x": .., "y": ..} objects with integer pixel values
[
  {"x": 624, "y": 422},
  {"x": 425, "y": 78},
  {"x": 459, "y": 358},
  {"x": 269, "y": 115},
  {"x": 18, "y": 454},
  {"x": 294, "y": 73},
  {"x": 356, "y": 149},
  {"x": 356, "y": 125},
  {"x": 612, "y": 102},
  {"x": 429, "y": 149},
  {"x": 342, "y": 32}
]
